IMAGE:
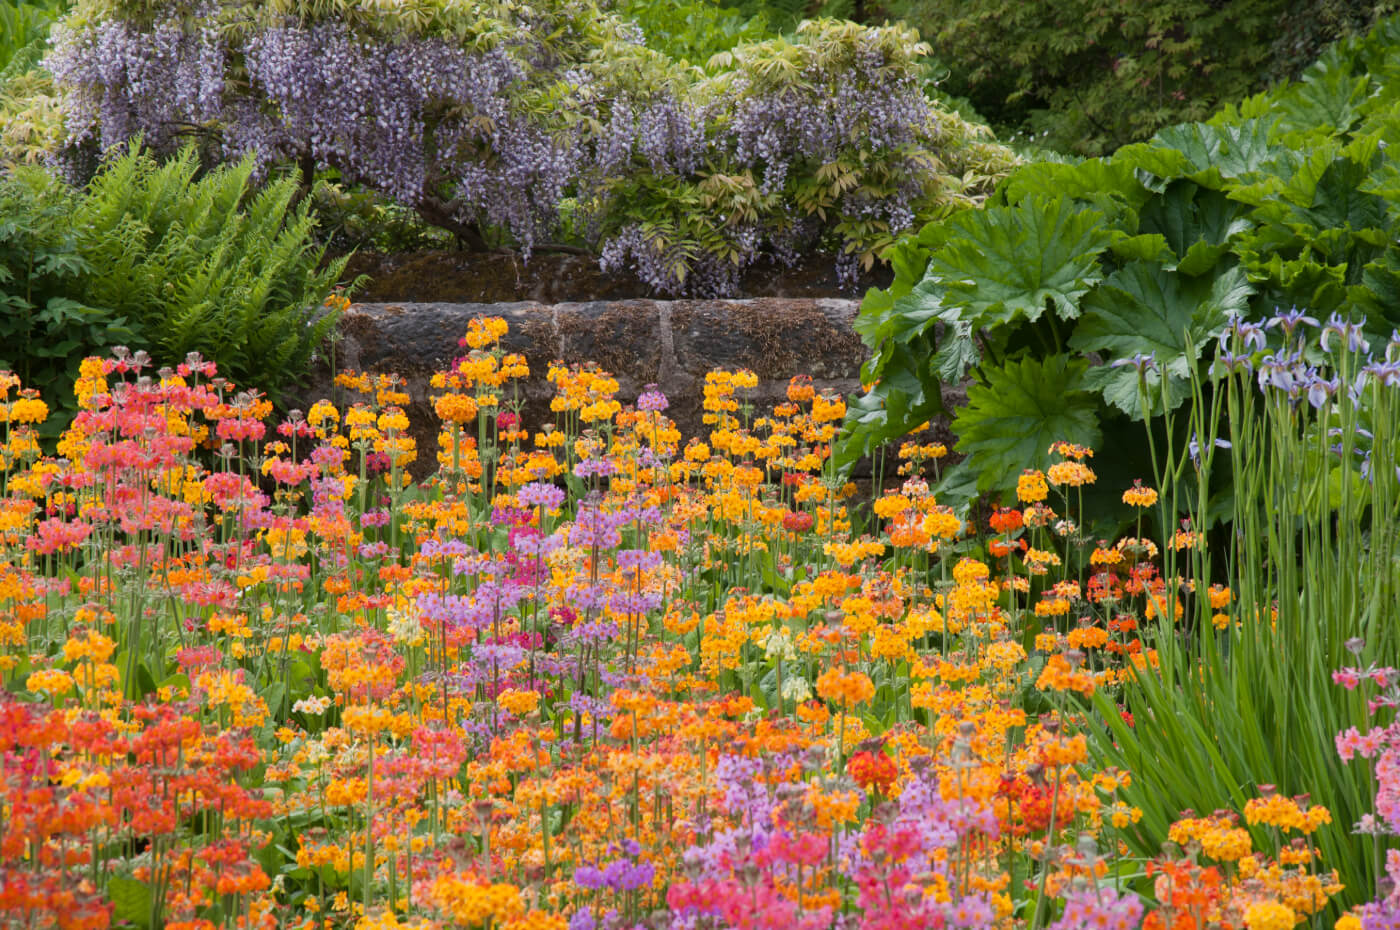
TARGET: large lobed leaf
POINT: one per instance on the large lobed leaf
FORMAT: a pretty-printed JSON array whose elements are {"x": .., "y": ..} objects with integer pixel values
[
  {"x": 1025, "y": 405},
  {"x": 1143, "y": 309},
  {"x": 1006, "y": 262}
]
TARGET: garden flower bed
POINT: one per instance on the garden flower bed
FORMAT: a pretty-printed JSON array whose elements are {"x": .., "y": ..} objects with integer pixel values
[{"x": 591, "y": 677}]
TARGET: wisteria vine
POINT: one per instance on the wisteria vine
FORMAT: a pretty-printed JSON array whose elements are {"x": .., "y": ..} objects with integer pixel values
[{"x": 489, "y": 134}]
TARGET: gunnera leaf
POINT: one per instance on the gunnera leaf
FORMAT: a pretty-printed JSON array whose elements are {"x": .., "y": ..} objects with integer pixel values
[
  {"x": 1143, "y": 309},
  {"x": 1025, "y": 405},
  {"x": 1004, "y": 263}
]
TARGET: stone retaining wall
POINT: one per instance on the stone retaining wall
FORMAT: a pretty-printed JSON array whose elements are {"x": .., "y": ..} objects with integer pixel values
[{"x": 669, "y": 343}]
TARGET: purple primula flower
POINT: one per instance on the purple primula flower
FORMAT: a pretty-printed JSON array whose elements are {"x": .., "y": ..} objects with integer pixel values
[
  {"x": 1099, "y": 908},
  {"x": 539, "y": 494}
]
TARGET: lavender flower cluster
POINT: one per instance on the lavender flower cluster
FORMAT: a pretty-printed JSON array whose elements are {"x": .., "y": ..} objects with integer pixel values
[
  {"x": 846, "y": 96},
  {"x": 121, "y": 81},
  {"x": 412, "y": 117}
]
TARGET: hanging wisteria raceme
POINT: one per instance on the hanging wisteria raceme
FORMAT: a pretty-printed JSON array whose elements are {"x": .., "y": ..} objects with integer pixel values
[
  {"x": 674, "y": 268},
  {"x": 121, "y": 81},
  {"x": 487, "y": 128},
  {"x": 836, "y": 103},
  {"x": 837, "y": 147}
]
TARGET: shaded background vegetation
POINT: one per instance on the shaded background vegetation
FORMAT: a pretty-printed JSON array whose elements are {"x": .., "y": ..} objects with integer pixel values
[{"x": 1086, "y": 76}]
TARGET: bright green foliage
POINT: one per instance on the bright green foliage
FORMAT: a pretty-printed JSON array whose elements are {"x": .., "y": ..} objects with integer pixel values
[
  {"x": 1089, "y": 75},
  {"x": 214, "y": 265},
  {"x": 1289, "y": 199},
  {"x": 1143, "y": 308},
  {"x": 23, "y": 23},
  {"x": 1022, "y": 409},
  {"x": 30, "y": 122},
  {"x": 353, "y": 218},
  {"x": 693, "y": 32},
  {"x": 151, "y": 256}
]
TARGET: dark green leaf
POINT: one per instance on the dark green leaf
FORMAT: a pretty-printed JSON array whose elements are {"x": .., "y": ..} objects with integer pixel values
[
  {"x": 1095, "y": 180},
  {"x": 1205, "y": 153},
  {"x": 1144, "y": 309},
  {"x": 1144, "y": 247},
  {"x": 1010, "y": 422},
  {"x": 1186, "y": 214}
]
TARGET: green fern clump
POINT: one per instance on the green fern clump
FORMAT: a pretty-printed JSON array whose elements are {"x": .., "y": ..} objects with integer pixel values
[
  {"x": 209, "y": 264},
  {"x": 156, "y": 256}
]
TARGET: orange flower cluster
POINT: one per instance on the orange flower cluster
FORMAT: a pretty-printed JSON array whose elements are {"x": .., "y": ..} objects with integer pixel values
[{"x": 588, "y": 675}]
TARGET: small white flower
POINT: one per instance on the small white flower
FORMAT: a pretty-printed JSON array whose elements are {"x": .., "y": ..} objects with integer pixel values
[
  {"x": 312, "y": 705},
  {"x": 796, "y": 689}
]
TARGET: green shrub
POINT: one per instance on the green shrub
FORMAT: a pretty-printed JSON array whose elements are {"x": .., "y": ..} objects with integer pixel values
[
  {"x": 151, "y": 255},
  {"x": 24, "y": 23},
  {"x": 693, "y": 32},
  {"x": 1287, "y": 200},
  {"x": 1086, "y": 301},
  {"x": 1086, "y": 76},
  {"x": 31, "y": 124},
  {"x": 825, "y": 141},
  {"x": 46, "y": 327},
  {"x": 351, "y": 218}
]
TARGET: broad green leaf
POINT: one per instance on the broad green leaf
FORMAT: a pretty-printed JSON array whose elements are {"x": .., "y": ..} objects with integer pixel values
[
  {"x": 1095, "y": 179},
  {"x": 1327, "y": 96},
  {"x": 1008, "y": 262},
  {"x": 908, "y": 262},
  {"x": 1205, "y": 153},
  {"x": 1186, "y": 214},
  {"x": 1010, "y": 421},
  {"x": 1201, "y": 257},
  {"x": 957, "y": 351},
  {"x": 919, "y": 309},
  {"x": 1338, "y": 198},
  {"x": 1123, "y": 389},
  {"x": 1143, "y": 309},
  {"x": 1144, "y": 247},
  {"x": 906, "y": 395},
  {"x": 957, "y": 488},
  {"x": 885, "y": 317},
  {"x": 1379, "y": 294},
  {"x": 1302, "y": 282},
  {"x": 1385, "y": 183},
  {"x": 145, "y": 681},
  {"x": 132, "y": 900}
]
